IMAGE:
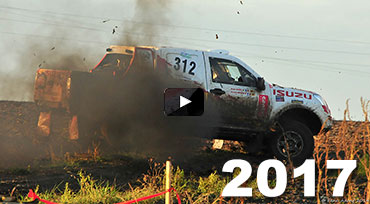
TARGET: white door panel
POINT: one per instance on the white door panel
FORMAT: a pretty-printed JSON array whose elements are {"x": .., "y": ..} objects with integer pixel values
[{"x": 229, "y": 80}]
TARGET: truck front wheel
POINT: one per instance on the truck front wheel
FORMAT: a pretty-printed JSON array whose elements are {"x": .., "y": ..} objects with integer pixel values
[{"x": 294, "y": 140}]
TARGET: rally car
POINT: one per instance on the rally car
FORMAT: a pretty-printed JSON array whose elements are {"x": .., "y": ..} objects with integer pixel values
[{"x": 253, "y": 111}]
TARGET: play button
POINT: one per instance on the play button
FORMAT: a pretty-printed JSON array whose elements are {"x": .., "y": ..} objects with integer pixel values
[{"x": 184, "y": 101}]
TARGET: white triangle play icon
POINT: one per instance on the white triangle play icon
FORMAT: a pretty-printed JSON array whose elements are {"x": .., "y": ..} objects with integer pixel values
[{"x": 184, "y": 101}]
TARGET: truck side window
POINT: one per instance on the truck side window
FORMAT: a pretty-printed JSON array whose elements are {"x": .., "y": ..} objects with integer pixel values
[
  {"x": 229, "y": 72},
  {"x": 115, "y": 62}
]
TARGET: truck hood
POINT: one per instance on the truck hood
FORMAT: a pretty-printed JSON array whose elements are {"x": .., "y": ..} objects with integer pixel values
[{"x": 310, "y": 99}]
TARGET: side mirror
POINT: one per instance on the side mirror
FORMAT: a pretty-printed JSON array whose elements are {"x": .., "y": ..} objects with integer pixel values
[{"x": 261, "y": 84}]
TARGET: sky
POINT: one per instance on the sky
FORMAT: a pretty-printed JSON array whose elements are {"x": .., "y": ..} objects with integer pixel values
[{"x": 321, "y": 46}]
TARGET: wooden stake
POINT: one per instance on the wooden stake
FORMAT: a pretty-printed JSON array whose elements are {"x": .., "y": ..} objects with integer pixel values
[{"x": 168, "y": 182}]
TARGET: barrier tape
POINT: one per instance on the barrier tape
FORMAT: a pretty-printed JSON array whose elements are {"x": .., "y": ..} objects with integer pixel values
[
  {"x": 153, "y": 196},
  {"x": 33, "y": 195}
]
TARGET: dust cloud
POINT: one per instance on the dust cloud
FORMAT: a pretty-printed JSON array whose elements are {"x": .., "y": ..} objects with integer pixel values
[
  {"x": 134, "y": 115},
  {"x": 17, "y": 83},
  {"x": 21, "y": 143},
  {"x": 144, "y": 29},
  {"x": 131, "y": 110}
]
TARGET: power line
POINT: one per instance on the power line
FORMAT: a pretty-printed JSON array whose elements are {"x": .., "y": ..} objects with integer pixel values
[
  {"x": 45, "y": 18},
  {"x": 205, "y": 40},
  {"x": 212, "y": 41},
  {"x": 322, "y": 62},
  {"x": 53, "y": 13},
  {"x": 309, "y": 61},
  {"x": 329, "y": 68},
  {"x": 191, "y": 27},
  {"x": 76, "y": 40},
  {"x": 57, "y": 38},
  {"x": 266, "y": 57},
  {"x": 54, "y": 24},
  {"x": 312, "y": 62},
  {"x": 314, "y": 66}
]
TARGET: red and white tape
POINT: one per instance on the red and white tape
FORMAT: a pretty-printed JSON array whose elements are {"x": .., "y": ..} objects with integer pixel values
[{"x": 33, "y": 195}]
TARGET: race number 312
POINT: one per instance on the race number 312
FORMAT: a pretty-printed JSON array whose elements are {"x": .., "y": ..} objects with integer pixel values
[{"x": 307, "y": 169}]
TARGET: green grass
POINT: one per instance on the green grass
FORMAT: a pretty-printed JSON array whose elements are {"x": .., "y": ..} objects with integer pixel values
[
  {"x": 190, "y": 187},
  {"x": 91, "y": 191}
]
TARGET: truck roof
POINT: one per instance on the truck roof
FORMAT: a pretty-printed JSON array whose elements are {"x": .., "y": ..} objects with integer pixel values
[{"x": 130, "y": 49}]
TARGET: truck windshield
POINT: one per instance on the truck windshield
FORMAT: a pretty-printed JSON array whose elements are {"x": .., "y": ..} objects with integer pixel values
[{"x": 116, "y": 62}]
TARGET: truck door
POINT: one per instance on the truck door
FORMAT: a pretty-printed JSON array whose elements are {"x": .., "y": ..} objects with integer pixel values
[{"x": 233, "y": 87}]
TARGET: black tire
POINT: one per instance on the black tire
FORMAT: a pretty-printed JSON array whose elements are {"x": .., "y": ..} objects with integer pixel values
[{"x": 300, "y": 142}]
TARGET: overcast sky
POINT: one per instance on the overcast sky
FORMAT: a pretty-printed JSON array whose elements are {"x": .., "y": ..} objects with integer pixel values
[{"x": 322, "y": 46}]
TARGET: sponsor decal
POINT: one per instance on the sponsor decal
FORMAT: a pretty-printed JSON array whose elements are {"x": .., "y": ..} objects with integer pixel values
[
  {"x": 263, "y": 104},
  {"x": 237, "y": 91},
  {"x": 279, "y": 99},
  {"x": 185, "y": 55},
  {"x": 252, "y": 92},
  {"x": 297, "y": 101},
  {"x": 281, "y": 92},
  {"x": 247, "y": 92}
]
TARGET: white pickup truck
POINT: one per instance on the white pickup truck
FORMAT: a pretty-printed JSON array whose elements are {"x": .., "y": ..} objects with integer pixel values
[{"x": 255, "y": 111}]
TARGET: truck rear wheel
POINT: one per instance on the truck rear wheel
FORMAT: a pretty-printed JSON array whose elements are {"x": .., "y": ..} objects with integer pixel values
[{"x": 295, "y": 140}]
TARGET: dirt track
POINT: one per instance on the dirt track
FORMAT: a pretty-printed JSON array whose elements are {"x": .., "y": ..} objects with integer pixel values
[
  {"x": 17, "y": 132},
  {"x": 26, "y": 158},
  {"x": 20, "y": 141}
]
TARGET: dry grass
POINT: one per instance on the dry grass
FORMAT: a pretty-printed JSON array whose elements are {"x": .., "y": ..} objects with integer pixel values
[{"x": 350, "y": 141}]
